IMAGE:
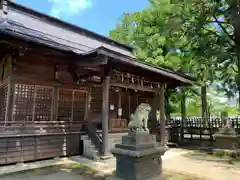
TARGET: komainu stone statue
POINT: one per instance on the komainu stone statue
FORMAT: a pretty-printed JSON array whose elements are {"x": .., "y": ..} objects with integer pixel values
[
  {"x": 139, "y": 120},
  {"x": 138, "y": 156}
]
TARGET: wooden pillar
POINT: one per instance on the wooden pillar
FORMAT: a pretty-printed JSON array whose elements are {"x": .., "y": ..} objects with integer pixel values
[
  {"x": 1, "y": 101},
  {"x": 129, "y": 105},
  {"x": 119, "y": 104},
  {"x": 105, "y": 115},
  {"x": 9, "y": 103},
  {"x": 87, "y": 105},
  {"x": 162, "y": 114}
]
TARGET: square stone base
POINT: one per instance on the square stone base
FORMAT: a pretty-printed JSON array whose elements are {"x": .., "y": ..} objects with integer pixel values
[
  {"x": 227, "y": 141},
  {"x": 138, "y": 157},
  {"x": 141, "y": 168}
]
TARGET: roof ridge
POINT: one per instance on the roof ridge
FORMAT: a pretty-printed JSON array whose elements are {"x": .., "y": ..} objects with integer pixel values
[{"x": 71, "y": 26}]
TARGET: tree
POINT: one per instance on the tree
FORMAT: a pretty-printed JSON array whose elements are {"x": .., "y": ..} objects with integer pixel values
[
  {"x": 163, "y": 35},
  {"x": 220, "y": 20}
]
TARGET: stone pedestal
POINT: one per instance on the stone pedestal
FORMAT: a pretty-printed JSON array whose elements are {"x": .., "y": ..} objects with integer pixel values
[
  {"x": 138, "y": 157},
  {"x": 225, "y": 141},
  {"x": 227, "y": 138}
]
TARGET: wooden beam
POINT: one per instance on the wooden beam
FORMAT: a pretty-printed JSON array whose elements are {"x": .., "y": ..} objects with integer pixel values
[
  {"x": 93, "y": 61},
  {"x": 129, "y": 105},
  {"x": 87, "y": 104},
  {"x": 89, "y": 74},
  {"x": 73, "y": 96},
  {"x": 130, "y": 61},
  {"x": 29, "y": 81},
  {"x": 1, "y": 102},
  {"x": 134, "y": 87},
  {"x": 119, "y": 103}
]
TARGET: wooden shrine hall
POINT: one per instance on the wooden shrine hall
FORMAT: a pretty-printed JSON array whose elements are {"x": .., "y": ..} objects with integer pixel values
[{"x": 60, "y": 82}]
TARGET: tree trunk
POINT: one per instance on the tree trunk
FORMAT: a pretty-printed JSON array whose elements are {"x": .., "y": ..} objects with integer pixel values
[
  {"x": 183, "y": 111},
  {"x": 167, "y": 105},
  {"x": 235, "y": 13},
  {"x": 204, "y": 104},
  {"x": 238, "y": 97},
  {"x": 168, "y": 113}
]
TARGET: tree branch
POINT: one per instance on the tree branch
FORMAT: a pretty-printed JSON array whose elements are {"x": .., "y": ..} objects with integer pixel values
[
  {"x": 221, "y": 22},
  {"x": 213, "y": 32},
  {"x": 234, "y": 69},
  {"x": 216, "y": 34},
  {"x": 223, "y": 29}
]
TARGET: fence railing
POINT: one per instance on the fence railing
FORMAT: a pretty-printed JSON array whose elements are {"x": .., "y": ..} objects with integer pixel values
[
  {"x": 213, "y": 122},
  {"x": 197, "y": 128}
]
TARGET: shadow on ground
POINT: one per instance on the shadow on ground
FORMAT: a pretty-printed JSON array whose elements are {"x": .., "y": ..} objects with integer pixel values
[{"x": 76, "y": 171}]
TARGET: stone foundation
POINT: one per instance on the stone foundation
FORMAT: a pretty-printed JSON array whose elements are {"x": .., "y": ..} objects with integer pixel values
[{"x": 224, "y": 141}]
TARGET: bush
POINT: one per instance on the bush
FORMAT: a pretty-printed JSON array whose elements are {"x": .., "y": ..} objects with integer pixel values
[
  {"x": 233, "y": 154},
  {"x": 219, "y": 153}
]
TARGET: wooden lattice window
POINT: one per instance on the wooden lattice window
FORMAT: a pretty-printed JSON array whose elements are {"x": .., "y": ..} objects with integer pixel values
[
  {"x": 96, "y": 100},
  {"x": 79, "y": 105},
  {"x": 43, "y": 103},
  {"x": 114, "y": 102},
  {"x": 23, "y": 102},
  {"x": 65, "y": 101},
  {"x": 32, "y": 103}
]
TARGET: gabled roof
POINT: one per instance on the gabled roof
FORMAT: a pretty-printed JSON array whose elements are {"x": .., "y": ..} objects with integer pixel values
[
  {"x": 16, "y": 29},
  {"x": 79, "y": 38},
  {"x": 68, "y": 25}
]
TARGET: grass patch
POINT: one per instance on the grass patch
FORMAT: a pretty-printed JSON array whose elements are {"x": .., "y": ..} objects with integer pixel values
[
  {"x": 214, "y": 157},
  {"x": 74, "y": 168},
  {"x": 87, "y": 172},
  {"x": 77, "y": 168}
]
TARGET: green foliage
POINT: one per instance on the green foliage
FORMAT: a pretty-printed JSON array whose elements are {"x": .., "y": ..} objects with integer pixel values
[
  {"x": 154, "y": 34},
  {"x": 158, "y": 37},
  {"x": 191, "y": 36}
]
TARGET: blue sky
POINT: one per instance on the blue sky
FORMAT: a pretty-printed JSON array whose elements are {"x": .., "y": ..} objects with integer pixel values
[{"x": 96, "y": 15}]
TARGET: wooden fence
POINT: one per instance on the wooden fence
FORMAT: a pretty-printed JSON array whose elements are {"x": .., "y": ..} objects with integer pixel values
[{"x": 195, "y": 129}]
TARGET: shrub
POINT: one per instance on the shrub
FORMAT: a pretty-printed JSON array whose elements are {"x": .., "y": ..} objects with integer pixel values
[{"x": 219, "y": 153}]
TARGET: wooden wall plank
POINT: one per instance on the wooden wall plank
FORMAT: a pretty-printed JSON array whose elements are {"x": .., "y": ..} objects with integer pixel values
[{"x": 21, "y": 149}]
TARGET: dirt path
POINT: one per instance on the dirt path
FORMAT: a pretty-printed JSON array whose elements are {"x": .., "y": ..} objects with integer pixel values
[
  {"x": 204, "y": 169},
  {"x": 173, "y": 161}
]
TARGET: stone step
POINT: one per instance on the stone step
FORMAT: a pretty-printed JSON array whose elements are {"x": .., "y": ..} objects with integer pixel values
[{"x": 91, "y": 152}]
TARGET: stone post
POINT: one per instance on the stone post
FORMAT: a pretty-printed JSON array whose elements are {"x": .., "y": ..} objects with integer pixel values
[{"x": 224, "y": 117}]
